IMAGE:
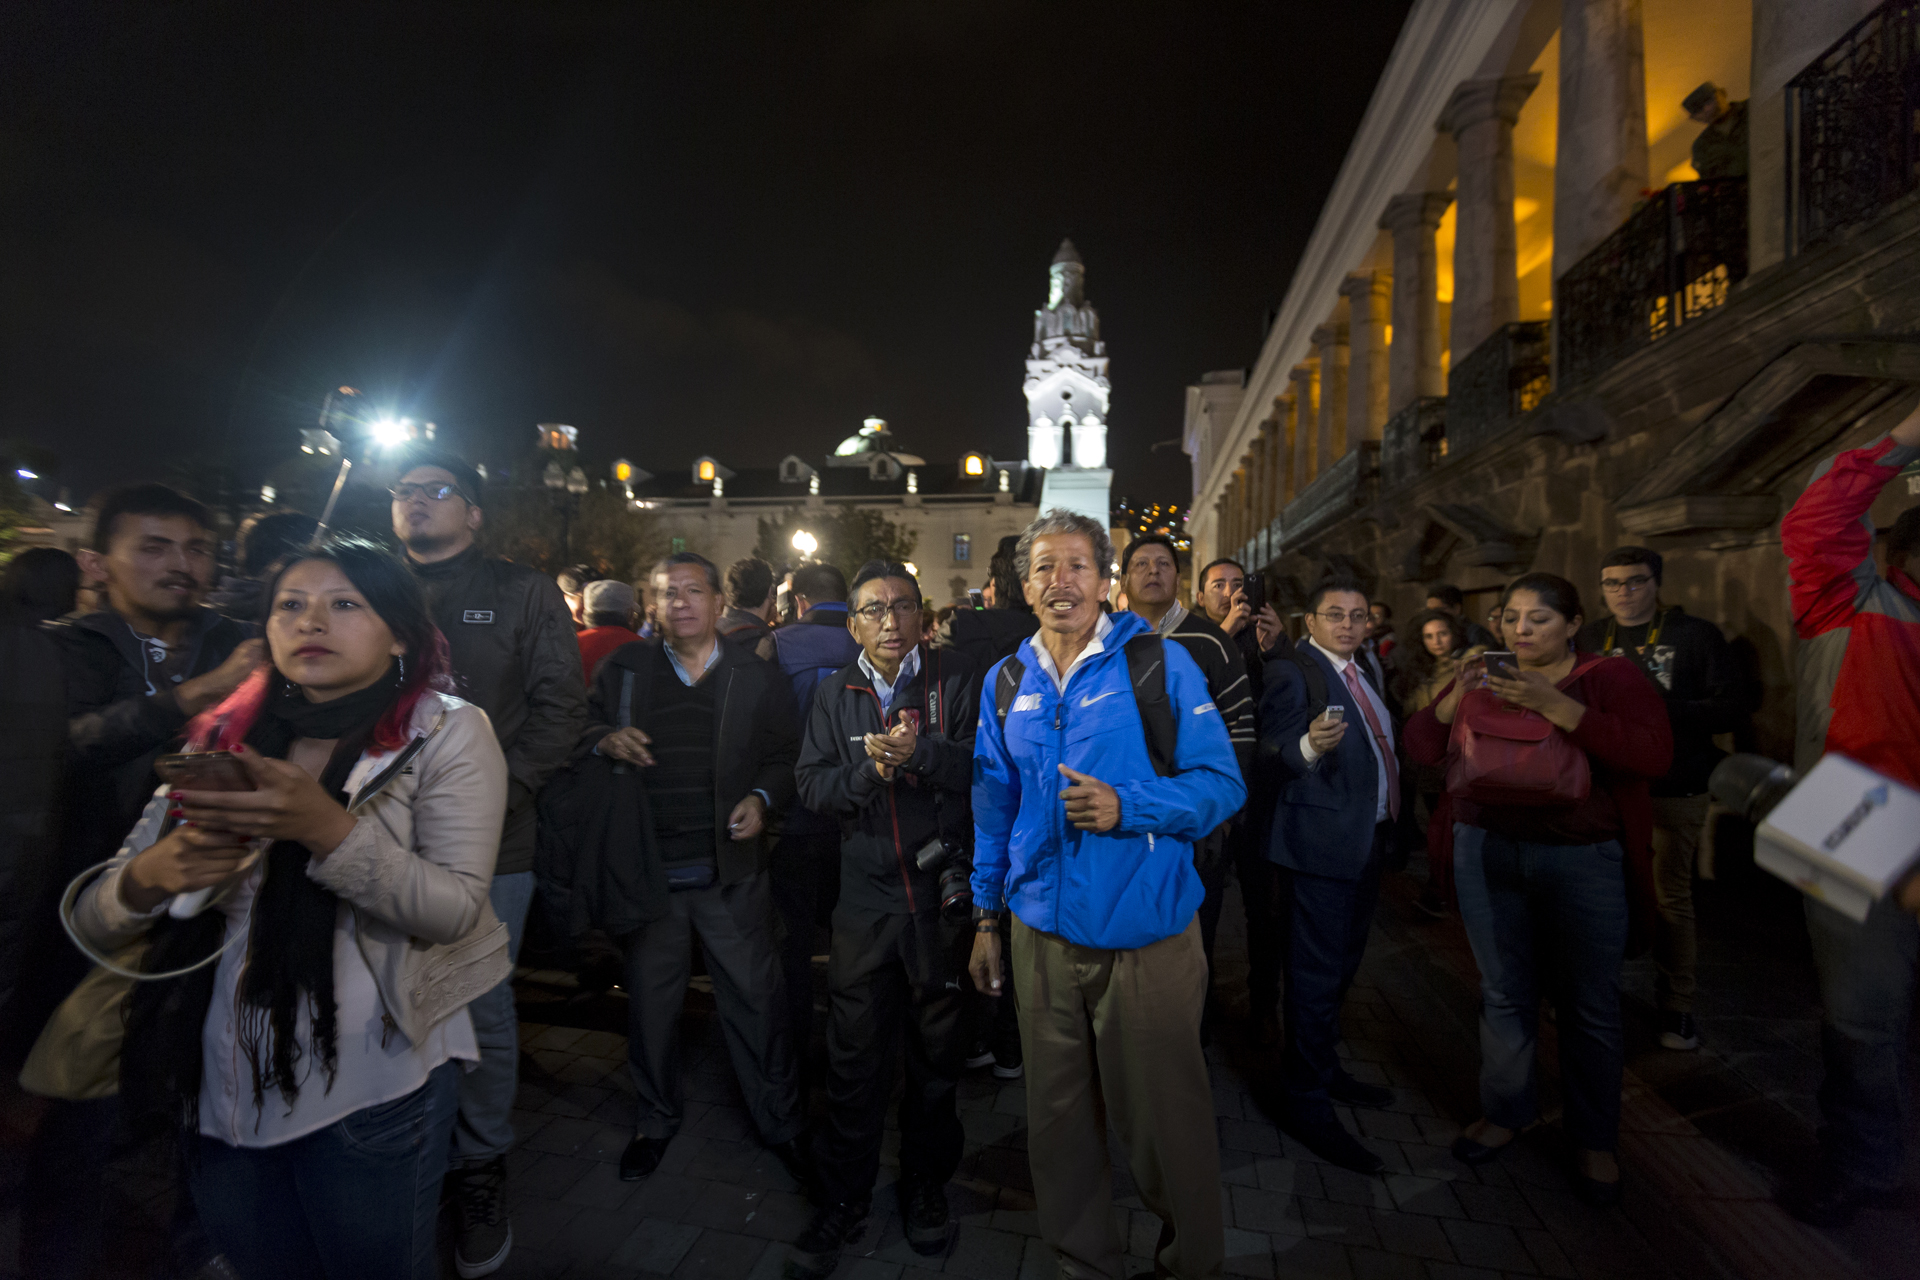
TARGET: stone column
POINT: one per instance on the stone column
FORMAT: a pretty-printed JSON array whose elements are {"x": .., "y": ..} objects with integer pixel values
[
  {"x": 1330, "y": 341},
  {"x": 1256, "y": 485},
  {"x": 1276, "y": 433},
  {"x": 1486, "y": 283},
  {"x": 1367, "y": 294},
  {"x": 1289, "y": 435},
  {"x": 1270, "y": 476},
  {"x": 1306, "y": 432},
  {"x": 1600, "y": 155},
  {"x": 1413, "y": 359}
]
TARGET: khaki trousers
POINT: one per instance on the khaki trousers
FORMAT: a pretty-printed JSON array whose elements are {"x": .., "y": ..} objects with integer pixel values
[
  {"x": 1114, "y": 1036},
  {"x": 1677, "y": 824}
]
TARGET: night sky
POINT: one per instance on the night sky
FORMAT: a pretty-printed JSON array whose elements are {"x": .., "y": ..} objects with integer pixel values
[{"x": 683, "y": 228}]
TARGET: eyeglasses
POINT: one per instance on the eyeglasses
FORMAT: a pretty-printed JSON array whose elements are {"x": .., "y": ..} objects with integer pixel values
[
  {"x": 901, "y": 609},
  {"x": 1335, "y": 617},
  {"x": 1627, "y": 586},
  {"x": 431, "y": 492}
]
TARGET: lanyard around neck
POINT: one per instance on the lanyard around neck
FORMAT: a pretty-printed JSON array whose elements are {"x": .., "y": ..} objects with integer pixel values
[{"x": 1653, "y": 633}]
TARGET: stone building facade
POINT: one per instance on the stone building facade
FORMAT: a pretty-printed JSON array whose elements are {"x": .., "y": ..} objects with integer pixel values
[{"x": 1524, "y": 332}]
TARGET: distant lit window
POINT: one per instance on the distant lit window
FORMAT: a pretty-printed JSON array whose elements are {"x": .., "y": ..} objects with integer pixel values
[
  {"x": 976, "y": 465},
  {"x": 679, "y": 545},
  {"x": 963, "y": 547},
  {"x": 706, "y": 469}
]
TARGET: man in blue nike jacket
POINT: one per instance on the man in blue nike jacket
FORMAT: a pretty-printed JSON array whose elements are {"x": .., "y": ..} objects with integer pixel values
[{"x": 1093, "y": 852}]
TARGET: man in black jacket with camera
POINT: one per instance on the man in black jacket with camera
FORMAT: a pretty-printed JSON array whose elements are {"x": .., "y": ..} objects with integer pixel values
[{"x": 889, "y": 751}]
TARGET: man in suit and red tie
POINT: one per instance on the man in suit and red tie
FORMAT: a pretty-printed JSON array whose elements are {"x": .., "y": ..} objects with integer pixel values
[{"x": 1328, "y": 742}]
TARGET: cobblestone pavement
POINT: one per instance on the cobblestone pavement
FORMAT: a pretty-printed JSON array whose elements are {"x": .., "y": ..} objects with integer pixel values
[{"x": 1707, "y": 1139}]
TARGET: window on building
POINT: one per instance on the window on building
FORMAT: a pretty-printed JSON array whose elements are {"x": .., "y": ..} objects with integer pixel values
[{"x": 962, "y": 547}]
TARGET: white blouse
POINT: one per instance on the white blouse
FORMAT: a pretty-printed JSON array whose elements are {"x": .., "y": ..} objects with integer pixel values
[{"x": 376, "y": 1064}]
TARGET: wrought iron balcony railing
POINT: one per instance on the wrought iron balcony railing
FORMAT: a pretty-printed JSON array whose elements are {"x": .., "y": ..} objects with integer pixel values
[
  {"x": 1495, "y": 383},
  {"x": 1853, "y": 125},
  {"x": 1672, "y": 261}
]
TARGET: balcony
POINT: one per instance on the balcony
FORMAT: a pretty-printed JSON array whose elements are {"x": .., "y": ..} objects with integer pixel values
[
  {"x": 1351, "y": 483},
  {"x": 1673, "y": 261},
  {"x": 1853, "y": 125},
  {"x": 1413, "y": 442},
  {"x": 1499, "y": 380}
]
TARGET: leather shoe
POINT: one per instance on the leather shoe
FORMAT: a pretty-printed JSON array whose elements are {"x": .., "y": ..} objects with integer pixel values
[
  {"x": 1831, "y": 1202},
  {"x": 1356, "y": 1094},
  {"x": 641, "y": 1158},
  {"x": 1330, "y": 1140},
  {"x": 1467, "y": 1151}
]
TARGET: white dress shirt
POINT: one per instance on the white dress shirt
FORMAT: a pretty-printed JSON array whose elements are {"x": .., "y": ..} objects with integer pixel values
[
  {"x": 1356, "y": 722},
  {"x": 1101, "y": 630}
]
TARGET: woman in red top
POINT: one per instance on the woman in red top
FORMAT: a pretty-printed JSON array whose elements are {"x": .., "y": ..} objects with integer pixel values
[{"x": 1564, "y": 876}]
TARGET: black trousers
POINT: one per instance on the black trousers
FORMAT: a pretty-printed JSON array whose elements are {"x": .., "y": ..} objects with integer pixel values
[
  {"x": 891, "y": 978},
  {"x": 805, "y": 868},
  {"x": 1328, "y": 935},
  {"x": 1246, "y": 853}
]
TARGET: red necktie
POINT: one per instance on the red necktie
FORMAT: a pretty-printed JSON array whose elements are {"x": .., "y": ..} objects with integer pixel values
[{"x": 1352, "y": 673}]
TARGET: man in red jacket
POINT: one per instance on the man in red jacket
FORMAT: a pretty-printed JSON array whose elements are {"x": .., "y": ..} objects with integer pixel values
[{"x": 1859, "y": 695}]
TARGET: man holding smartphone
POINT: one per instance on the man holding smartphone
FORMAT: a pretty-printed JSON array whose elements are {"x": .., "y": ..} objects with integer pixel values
[{"x": 1329, "y": 748}]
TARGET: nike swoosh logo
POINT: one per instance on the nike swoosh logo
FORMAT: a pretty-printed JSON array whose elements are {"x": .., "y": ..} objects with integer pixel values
[{"x": 1087, "y": 702}]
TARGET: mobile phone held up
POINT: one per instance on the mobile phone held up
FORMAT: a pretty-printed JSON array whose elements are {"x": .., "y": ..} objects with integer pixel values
[
  {"x": 203, "y": 771},
  {"x": 1500, "y": 663},
  {"x": 1256, "y": 591},
  {"x": 1335, "y": 714}
]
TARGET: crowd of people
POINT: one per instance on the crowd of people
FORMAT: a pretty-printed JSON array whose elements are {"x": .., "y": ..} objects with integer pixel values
[{"x": 273, "y": 849}]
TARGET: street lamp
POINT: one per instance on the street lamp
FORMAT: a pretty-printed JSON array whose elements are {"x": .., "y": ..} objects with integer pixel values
[
  {"x": 911, "y": 568},
  {"x": 805, "y": 543}
]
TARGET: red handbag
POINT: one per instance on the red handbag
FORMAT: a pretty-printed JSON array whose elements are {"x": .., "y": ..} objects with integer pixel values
[{"x": 1503, "y": 755}]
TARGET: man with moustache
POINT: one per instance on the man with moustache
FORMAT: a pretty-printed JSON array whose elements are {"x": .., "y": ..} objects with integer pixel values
[
  {"x": 1090, "y": 846},
  {"x": 514, "y": 655},
  {"x": 136, "y": 672}
]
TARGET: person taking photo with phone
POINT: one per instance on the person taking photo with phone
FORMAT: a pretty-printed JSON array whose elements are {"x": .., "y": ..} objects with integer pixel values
[
  {"x": 1549, "y": 756},
  {"x": 310, "y": 1058}
]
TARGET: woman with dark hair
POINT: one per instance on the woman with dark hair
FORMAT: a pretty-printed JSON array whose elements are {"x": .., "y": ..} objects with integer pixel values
[
  {"x": 40, "y": 584},
  {"x": 313, "y": 1058},
  {"x": 1430, "y": 654},
  {"x": 1549, "y": 864}
]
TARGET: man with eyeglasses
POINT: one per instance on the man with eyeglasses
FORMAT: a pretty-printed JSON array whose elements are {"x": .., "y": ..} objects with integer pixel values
[
  {"x": 888, "y": 752},
  {"x": 511, "y": 639},
  {"x": 1337, "y": 780},
  {"x": 1689, "y": 661}
]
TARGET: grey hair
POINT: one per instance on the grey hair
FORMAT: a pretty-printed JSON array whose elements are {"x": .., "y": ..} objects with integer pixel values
[{"x": 1060, "y": 520}]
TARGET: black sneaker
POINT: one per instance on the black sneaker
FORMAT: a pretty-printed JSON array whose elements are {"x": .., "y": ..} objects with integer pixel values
[
  {"x": 817, "y": 1252},
  {"x": 1007, "y": 1064},
  {"x": 486, "y": 1233},
  {"x": 1678, "y": 1031},
  {"x": 923, "y": 1216},
  {"x": 980, "y": 1056}
]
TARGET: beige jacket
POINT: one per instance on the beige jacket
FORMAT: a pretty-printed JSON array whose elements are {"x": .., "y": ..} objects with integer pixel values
[{"x": 415, "y": 870}]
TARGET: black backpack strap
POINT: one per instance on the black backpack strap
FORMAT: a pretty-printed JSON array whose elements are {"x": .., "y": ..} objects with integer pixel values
[
  {"x": 1006, "y": 687},
  {"x": 1147, "y": 672},
  {"x": 1315, "y": 678}
]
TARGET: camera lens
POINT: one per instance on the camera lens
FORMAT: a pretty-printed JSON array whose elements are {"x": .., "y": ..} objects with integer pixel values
[{"x": 956, "y": 891}]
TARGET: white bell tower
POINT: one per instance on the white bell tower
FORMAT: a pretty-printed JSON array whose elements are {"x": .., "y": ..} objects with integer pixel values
[{"x": 1067, "y": 394}]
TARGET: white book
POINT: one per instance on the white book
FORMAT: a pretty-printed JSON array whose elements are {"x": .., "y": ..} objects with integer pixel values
[{"x": 1845, "y": 835}]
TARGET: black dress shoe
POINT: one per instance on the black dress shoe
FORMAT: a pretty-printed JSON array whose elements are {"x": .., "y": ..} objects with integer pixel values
[
  {"x": 1330, "y": 1140},
  {"x": 641, "y": 1158},
  {"x": 1355, "y": 1094},
  {"x": 817, "y": 1252},
  {"x": 1467, "y": 1151},
  {"x": 1831, "y": 1202}
]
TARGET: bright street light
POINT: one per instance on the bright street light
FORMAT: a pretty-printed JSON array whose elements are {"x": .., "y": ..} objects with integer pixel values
[
  {"x": 912, "y": 568},
  {"x": 805, "y": 543},
  {"x": 25, "y": 474},
  {"x": 391, "y": 433}
]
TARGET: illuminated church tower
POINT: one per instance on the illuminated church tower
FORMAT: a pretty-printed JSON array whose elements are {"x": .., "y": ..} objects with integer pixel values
[{"x": 1067, "y": 394}]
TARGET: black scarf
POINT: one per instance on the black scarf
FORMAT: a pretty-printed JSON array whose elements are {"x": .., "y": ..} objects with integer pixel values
[{"x": 290, "y": 950}]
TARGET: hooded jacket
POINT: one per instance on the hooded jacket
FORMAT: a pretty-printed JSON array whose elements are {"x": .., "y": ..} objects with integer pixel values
[
  {"x": 1694, "y": 669},
  {"x": 884, "y": 822},
  {"x": 1123, "y": 888},
  {"x": 514, "y": 656},
  {"x": 1859, "y": 686}
]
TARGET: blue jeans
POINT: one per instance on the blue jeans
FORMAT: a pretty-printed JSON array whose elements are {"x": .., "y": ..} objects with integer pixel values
[
  {"x": 1539, "y": 915},
  {"x": 357, "y": 1200},
  {"x": 485, "y": 1127},
  {"x": 1866, "y": 983}
]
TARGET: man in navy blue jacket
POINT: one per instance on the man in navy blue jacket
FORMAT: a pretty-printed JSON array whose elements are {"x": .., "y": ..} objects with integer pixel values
[
  {"x": 1333, "y": 757},
  {"x": 1092, "y": 849}
]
